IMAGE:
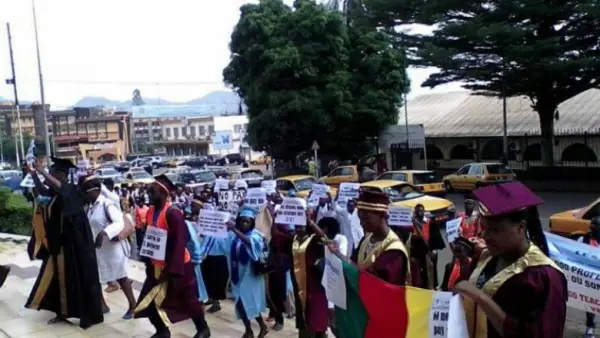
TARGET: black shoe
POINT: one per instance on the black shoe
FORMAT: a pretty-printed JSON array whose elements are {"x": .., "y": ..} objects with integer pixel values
[
  {"x": 214, "y": 308},
  {"x": 162, "y": 334},
  {"x": 204, "y": 334},
  {"x": 278, "y": 327},
  {"x": 4, "y": 270}
]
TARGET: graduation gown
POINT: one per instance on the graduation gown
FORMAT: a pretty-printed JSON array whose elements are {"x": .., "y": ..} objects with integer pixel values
[
  {"x": 387, "y": 260},
  {"x": 532, "y": 291},
  {"x": 307, "y": 273},
  {"x": 68, "y": 282},
  {"x": 278, "y": 278},
  {"x": 423, "y": 274},
  {"x": 174, "y": 295}
]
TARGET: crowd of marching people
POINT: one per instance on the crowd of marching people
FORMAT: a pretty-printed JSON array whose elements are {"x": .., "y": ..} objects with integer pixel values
[{"x": 84, "y": 235}]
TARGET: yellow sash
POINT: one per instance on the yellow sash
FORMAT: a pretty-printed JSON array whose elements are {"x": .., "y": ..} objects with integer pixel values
[
  {"x": 299, "y": 253},
  {"x": 39, "y": 230},
  {"x": 476, "y": 319},
  {"x": 391, "y": 242}
]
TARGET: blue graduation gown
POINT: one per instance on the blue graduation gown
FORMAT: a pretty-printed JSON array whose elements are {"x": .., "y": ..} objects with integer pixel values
[
  {"x": 250, "y": 289},
  {"x": 198, "y": 248}
]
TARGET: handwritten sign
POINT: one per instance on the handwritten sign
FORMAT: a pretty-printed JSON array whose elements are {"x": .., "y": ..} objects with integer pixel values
[
  {"x": 347, "y": 192},
  {"x": 452, "y": 229},
  {"x": 333, "y": 280},
  {"x": 155, "y": 243},
  {"x": 229, "y": 197},
  {"x": 221, "y": 184},
  {"x": 270, "y": 186},
  {"x": 256, "y": 198},
  {"x": 318, "y": 191},
  {"x": 400, "y": 216},
  {"x": 213, "y": 223},
  {"x": 27, "y": 182},
  {"x": 439, "y": 314},
  {"x": 292, "y": 211}
]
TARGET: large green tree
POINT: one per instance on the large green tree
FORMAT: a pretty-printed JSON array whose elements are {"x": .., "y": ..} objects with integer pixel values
[
  {"x": 304, "y": 75},
  {"x": 546, "y": 50}
]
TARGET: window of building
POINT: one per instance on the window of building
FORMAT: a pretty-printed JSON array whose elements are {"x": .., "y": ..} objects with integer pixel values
[
  {"x": 193, "y": 131},
  {"x": 211, "y": 130},
  {"x": 184, "y": 131},
  {"x": 168, "y": 131},
  {"x": 237, "y": 128},
  {"x": 176, "y": 132},
  {"x": 201, "y": 130}
]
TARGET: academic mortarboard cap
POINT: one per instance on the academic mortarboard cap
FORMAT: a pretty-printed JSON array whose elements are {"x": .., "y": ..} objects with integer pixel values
[
  {"x": 506, "y": 198},
  {"x": 248, "y": 212},
  {"x": 373, "y": 201},
  {"x": 165, "y": 183},
  {"x": 62, "y": 165},
  {"x": 469, "y": 197},
  {"x": 464, "y": 242}
]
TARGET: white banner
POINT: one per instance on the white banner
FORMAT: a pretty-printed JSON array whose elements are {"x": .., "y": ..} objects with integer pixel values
[
  {"x": 228, "y": 197},
  {"x": 213, "y": 223}
]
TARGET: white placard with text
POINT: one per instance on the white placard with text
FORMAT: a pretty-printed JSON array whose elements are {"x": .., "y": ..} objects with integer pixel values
[
  {"x": 347, "y": 192},
  {"x": 452, "y": 229},
  {"x": 400, "y": 216},
  {"x": 213, "y": 223},
  {"x": 292, "y": 211},
  {"x": 256, "y": 198},
  {"x": 155, "y": 243},
  {"x": 269, "y": 185}
]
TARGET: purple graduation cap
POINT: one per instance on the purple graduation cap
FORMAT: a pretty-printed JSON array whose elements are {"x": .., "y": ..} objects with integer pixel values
[{"x": 505, "y": 198}]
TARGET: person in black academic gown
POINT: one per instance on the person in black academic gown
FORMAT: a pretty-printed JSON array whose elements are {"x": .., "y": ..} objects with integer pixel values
[{"x": 68, "y": 282}]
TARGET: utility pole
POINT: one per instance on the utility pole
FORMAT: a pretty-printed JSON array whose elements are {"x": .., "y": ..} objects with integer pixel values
[
  {"x": 504, "y": 118},
  {"x": 16, "y": 139},
  {"x": 42, "y": 96},
  {"x": 13, "y": 82}
]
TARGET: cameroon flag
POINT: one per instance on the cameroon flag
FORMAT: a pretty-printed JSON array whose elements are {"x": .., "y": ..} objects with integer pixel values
[{"x": 376, "y": 309}]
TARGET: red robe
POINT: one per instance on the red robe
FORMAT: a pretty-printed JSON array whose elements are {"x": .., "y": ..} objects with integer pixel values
[
  {"x": 389, "y": 265},
  {"x": 181, "y": 300}
]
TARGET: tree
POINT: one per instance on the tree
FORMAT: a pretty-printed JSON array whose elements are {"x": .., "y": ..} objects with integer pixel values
[
  {"x": 543, "y": 49},
  {"x": 137, "y": 98},
  {"x": 305, "y": 76}
]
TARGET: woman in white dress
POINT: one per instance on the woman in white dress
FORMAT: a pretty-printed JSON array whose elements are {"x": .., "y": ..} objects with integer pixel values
[{"x": 106, "y": 221}]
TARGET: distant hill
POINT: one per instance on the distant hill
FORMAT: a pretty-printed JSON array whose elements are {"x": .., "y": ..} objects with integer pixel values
[{"x": 214, "y": 98}]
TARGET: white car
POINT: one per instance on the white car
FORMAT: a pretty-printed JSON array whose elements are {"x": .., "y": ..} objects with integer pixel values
[{"x": 105, "y": 173}]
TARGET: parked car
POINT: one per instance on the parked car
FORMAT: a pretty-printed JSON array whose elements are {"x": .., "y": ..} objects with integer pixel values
[
  {"x": 174, "y": 162},
  {"x": 138, "y": 176},
  {"x": 232, "y": 158},
  {"x": 197, "y": 178},
  {"x": 574, "y": 223},
  {"x": 105, "y": 173},
  {"x": 155, "y": 161},
  {"x": 253, "y": 177},
  {"x": 144, "y": 163},
  {"x": 475, "y": 175},
  {"x": 122, "y": 167},
  {"x": 400, "y": 193},
  {"x": 262, "y": 159},
  {"x": 425, "y": 180},
  {"x": 5, "y": 175},
  {"x": 196, "y": 162}
]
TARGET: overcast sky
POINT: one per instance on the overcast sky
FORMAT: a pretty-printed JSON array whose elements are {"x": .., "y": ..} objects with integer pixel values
[{"x": 175, "y": 50}]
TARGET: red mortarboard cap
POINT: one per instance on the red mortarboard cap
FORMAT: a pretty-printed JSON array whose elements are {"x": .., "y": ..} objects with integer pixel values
[
  {"x": 373, "y": 201},
  {"x": 506, "y": 198},
  {"x": 165, "y": 183}
]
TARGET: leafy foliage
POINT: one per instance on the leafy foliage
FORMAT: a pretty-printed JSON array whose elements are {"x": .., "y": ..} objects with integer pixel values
[
  {"x": 546, "y": 50},
  {"x": 15, "y": 213},
  {"x": 304, "y": 75}
]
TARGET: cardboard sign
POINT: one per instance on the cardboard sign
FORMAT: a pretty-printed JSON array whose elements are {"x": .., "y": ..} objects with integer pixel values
[
  {"x": 333, "y": 280},
  {"x": 318, "y": 191},
  {"x": 229, "y": 197},
  {"x": 452, "y": 229},
  {"x": 270, "y": 186},
  {"x": 213, "y": 223},
  {"x": 221, "y": 184},
  {"x": 347, "y": 192},
  {"x": 155, "y": 243},
  {"x": 256, "y": 198},
  {"x": 292, "y": 211},
  {"x": 400, "y": 216}
]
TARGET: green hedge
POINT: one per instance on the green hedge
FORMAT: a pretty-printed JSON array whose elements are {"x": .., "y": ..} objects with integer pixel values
[{"x": 15, "y": 213}]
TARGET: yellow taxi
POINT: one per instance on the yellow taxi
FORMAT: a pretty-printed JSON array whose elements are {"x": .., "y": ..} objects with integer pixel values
[
  {"x": 425, "y": 180},
  {"x": 301, "y": 183},
  {"x": 475, "y": 175},
  {"x": 573, "y": 223},
  {"x": 342, "y": 174},
  {"x": 263, "y": 159},
  {"x": 404, "y": 194}
]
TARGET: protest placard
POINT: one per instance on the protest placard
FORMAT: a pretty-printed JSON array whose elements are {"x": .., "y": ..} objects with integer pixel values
[
  {"x": 213, "y": 223},
  {"x": 333, "y": 280},
  {"x": 269, "y": 185},
  {"x": 400, "y": 216},
  {"x": 581, "y": 265},
  {"x": 318, "y": 191},
  {"x": 229, "y": 197},
  {"x": 155, "y": 243},
  {"x": 292, "y": 211},
  {"x": 347, "y": 192},
  {"x": 256, "y": 198},
  {"x": 221, "y": 184},
  {"x": 27, "y": 182},
  {"x": 452, "y": 229}
]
